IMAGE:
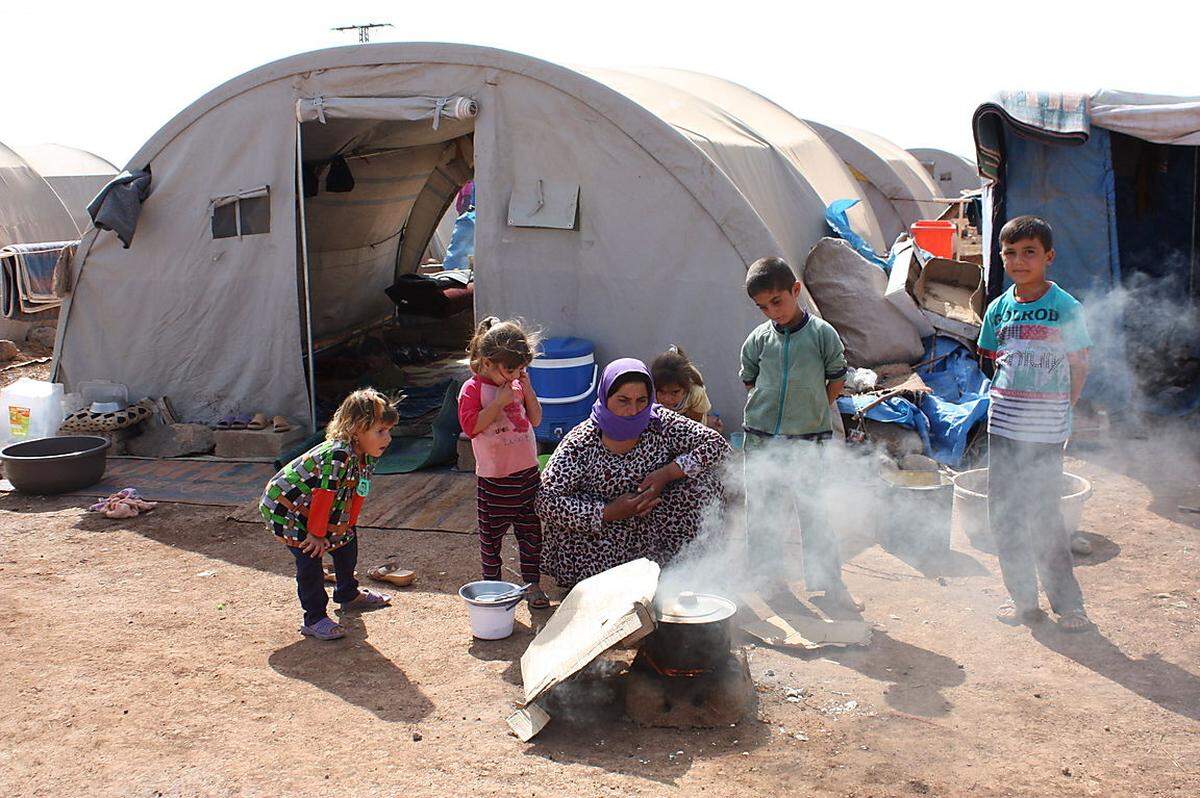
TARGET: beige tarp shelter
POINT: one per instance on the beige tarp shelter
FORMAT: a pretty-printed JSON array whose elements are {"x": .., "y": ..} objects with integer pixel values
[
  {"x": 620, "y": 207},
  {"x": 952, "y": 174},
  {"x": 897, "y": 186},
  {"x": 75, "y": 175},
  {"x": 30, "y": 211}
]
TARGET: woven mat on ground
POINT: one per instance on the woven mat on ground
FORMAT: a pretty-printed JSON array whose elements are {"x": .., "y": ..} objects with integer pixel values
[
  {"x": 440, "y": 500},
  {"x": 182, "y": 481}
]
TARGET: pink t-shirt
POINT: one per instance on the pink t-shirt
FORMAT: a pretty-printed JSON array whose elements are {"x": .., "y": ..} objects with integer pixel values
[{"x": 507, "y": 445}]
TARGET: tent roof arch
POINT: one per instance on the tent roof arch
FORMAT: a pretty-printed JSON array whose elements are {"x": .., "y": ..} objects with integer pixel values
[
  {"x": 698, "y": 175},
  {"x": 896, "y": 174}
]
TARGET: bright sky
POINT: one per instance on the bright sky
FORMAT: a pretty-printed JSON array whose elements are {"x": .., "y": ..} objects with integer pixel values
[{"x": 105, "y": 76}]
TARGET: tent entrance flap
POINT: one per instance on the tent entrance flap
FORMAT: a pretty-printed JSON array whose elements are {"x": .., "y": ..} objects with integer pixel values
[{"x": 373, "y": 192}]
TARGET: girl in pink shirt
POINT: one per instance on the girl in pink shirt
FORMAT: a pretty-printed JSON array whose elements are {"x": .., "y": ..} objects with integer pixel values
[{"x": 498, "y": 410}]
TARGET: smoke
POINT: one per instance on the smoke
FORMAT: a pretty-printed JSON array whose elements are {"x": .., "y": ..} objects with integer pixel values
[
  {"x": 1146, "y": 340},
  {"x": 789, "y": 505}
]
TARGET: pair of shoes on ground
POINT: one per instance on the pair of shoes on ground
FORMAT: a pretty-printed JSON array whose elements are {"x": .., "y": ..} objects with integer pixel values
[
  {"x": 327, "y": 629},
  {"x": 389, "y": 572},
  {"x": 1074, "y": 621},
  {"x": 255, "y": 423}
]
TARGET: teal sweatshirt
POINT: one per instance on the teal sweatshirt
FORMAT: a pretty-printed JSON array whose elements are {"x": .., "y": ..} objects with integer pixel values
[{"x": 788, "y": 370}]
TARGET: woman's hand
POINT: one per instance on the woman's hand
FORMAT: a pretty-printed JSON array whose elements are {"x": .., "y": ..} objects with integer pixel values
[
  {"x": 630, "y": 505},
  {"x": 314, "y": 546},
  {"x": 659, "y": 478}
]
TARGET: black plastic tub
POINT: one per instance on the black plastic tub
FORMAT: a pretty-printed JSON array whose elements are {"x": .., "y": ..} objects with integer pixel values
[{"x": 55, "y": 465}]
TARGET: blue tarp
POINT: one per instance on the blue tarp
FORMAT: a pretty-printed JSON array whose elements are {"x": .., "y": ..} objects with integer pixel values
[
  {"x": 839, "y": 223},
  {"x": 943, "y": 419},
  {"x": 1073, "y": 188}
]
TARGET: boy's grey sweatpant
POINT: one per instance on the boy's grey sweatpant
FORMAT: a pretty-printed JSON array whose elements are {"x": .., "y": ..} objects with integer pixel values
[
  {"x": 1024, "y": 512},
  {"x": 783, "y": 487}
]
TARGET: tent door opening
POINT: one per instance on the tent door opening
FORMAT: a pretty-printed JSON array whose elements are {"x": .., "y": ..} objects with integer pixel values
[{"x": 372, "y": 192}]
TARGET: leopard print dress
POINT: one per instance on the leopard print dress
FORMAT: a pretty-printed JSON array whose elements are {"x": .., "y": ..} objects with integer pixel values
[{"x": 583, "y": 476}]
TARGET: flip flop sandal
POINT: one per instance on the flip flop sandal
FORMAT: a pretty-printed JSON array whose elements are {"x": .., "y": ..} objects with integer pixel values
[
  {"x": 393, "y": 574},
  {"x": 331, "y": 576},
  {"x": 324, "y": 629},
  {"x": 1079, "y": 622},
  {"x": 240, "y": 421},
  {"x": 281, "y": 424},
  {"x": 259, "y": 422},
  {"x": 367, "y": 600},
  {"x": 1009, "y": 614},
  {"x": 537, "y": 598},
  {"x": 226, "y": 422}
]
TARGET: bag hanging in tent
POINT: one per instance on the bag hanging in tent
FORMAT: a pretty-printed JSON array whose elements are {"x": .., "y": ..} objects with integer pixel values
[{"x": 339, "y": 180}]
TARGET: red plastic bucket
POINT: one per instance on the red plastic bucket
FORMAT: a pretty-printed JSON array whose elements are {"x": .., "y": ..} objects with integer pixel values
[{"x": 936, "y": 238}]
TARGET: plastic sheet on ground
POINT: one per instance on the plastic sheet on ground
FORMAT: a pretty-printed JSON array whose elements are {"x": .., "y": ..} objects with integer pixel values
[{"x": 944, "y": 418}]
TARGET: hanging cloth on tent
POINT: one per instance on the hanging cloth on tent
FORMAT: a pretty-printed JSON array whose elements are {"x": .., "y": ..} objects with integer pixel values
[{"x": 119, "y": 204}]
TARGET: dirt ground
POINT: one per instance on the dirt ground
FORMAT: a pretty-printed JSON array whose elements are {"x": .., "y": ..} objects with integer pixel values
[{"x": 158, "y": 656}]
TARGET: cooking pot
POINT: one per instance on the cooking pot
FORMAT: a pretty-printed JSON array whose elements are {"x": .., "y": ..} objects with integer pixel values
[{"x": 694, "y": 632}]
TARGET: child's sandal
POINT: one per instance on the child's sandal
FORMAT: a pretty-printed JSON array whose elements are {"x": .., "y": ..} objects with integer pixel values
[{"x": 537, "y": 598}]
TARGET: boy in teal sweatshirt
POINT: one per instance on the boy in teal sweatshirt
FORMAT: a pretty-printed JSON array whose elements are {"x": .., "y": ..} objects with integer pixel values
[{"x": 794, "y": 366}]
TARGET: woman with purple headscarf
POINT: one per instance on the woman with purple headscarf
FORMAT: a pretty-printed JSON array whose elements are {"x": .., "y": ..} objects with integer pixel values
[{"x": 634, "y": 480}]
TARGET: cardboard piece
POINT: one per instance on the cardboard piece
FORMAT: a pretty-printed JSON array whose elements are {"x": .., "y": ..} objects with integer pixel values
[
  {"x": 950, "y": 294},
  {"x": 797, "y": 631},
  {"x": 790, "y": 629},
  {"x": 528, "y": 721},
  {"x": 603, "y": 611},
  {"x": 906, "y": 267}
]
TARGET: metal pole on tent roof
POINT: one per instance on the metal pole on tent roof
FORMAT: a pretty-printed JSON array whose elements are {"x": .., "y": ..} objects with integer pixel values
[
  {"x": 364, "y": 31},
  {"x": 312, "y": 374}
]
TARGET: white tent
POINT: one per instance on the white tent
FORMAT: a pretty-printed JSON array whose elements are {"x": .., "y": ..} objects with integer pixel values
[
  {"x": 75, "y": 175},
  {"x": 898, "y": 187},
  {"x": 30, "y": 211},
  {"x": 952, "y": 174},
  {"x": 621, "y": 207}
]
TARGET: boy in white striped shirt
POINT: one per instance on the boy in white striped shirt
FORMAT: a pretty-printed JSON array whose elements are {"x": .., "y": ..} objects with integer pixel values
[{"x": 1036, "y": 337}]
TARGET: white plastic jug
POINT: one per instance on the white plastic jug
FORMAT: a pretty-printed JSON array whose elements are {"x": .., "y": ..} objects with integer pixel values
[{"x": 30, "y": 409}]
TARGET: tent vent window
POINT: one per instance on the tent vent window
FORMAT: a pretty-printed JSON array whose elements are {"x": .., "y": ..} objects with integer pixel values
[{"x": 244, "y": 214}]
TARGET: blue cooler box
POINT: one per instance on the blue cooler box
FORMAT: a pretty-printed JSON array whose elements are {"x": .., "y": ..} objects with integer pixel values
[{"x": 564, "y": 377}]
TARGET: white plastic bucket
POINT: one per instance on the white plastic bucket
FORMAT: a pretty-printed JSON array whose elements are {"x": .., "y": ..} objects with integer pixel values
[
  {"x": 971, "y": 493},
  {"x": 490, "y": 621}
]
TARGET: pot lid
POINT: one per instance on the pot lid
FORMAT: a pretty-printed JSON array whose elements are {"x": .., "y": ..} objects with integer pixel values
[{"x": 689, "y": 607}]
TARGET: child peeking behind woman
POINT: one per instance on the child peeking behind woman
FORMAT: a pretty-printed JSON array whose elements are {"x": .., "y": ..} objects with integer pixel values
[
  {"x": 678, "y": 386},
  {"x": 498, "y": 410},
  {"x": 313, "y": 504}
]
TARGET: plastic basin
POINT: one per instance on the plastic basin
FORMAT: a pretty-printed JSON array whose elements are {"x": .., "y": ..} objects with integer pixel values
[
  {"x": 490, "y": 621},
  {"x": 971, "y": 494},
  {"x": 55, "y": 465}
]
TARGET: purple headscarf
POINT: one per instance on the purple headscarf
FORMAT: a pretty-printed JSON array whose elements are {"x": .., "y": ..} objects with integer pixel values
[{"x": 623, "y": 428}]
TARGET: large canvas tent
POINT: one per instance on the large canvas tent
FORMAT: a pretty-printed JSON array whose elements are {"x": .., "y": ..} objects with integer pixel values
[
  {"x": 899, "y": 190},
  {"x": 1117, "y": 175},
  {"x": 621, "y": 207},
  {"x": 75, "y": 175},
  {"x": 30, "y": 211},
  {"x": 952, "y": 174}
]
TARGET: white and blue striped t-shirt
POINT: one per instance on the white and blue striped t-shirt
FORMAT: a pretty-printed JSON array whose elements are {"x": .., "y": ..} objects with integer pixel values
[{"x": 1031, "y": 391}]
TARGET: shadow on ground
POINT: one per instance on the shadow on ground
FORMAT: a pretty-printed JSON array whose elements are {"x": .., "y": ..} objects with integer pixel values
[
  {"x": 1164, "y": 683},
  {"x": 361, "y": 675}
]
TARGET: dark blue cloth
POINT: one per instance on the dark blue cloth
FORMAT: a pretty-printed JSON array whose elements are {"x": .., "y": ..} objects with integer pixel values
[{"x": 310, "y": 580}]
